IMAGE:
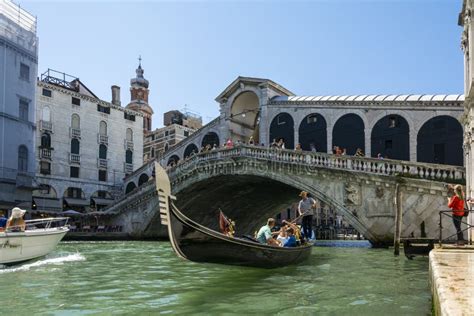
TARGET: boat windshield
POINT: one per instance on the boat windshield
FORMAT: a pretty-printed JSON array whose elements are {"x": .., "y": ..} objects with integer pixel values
[{"x": 40, "y": 223}]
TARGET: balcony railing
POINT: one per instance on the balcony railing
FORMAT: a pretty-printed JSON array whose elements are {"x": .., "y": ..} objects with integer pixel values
[
  {"x": 75, "y": 158},
  {"x": 102, "y": 163},
  {"x": 75, "y": 132},
  {"x": 128, "y": 144},
  {"x": 128, "y": 168},
  {"x": 45, "y": 153},
  {"x": 103, "y": 139},
  {"x": 46, "y": 126}
]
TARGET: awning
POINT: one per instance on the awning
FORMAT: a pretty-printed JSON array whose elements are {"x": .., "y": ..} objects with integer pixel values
[
  {"x": 44, "y": 204},
  {"x": 76, "y": 202},
  {"x": 101, "y": 201}
]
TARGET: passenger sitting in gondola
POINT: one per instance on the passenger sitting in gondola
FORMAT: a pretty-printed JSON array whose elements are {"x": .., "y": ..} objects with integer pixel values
[
  {"x": 16, "y": 223},
  {"x": 282, "y": 236},
  {"x": 291, "y": 241},
  {"x": 264, "y": 235},
  {"x": 296, "y": 232}
]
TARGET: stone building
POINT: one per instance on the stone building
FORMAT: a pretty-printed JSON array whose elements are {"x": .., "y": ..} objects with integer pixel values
[
  {"x": 19, "y": 60},
  {"x": 86, "y": 146}
]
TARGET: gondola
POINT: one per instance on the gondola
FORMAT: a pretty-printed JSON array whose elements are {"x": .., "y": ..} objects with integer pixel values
[{"x": 197, "y": 243}]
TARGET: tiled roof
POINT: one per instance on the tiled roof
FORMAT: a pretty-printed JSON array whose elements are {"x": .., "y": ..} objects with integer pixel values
[{"x": 374, "y": 98}]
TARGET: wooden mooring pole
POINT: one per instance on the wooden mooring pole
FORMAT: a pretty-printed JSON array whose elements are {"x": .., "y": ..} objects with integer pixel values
[{"x": 398, "y": 220}]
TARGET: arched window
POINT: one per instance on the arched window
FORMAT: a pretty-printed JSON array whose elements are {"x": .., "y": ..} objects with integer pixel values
[
  {"x": 130, "y": 187},
  {"x": 45, "y": 140},
  {"x": 46, "y": 114},
  {"x": 128, "y": 156},
  {"x": 75, "y": 146},
  {"x": 349, "y": 133},
  {"x": 129, "y": 135},
  {"x": 282, "y": 127},
  {"x": 143, "y": 179},
  {"x": 103, "y": 128},
  {"x": 75, "y": 121},
  {"x": 22, "y": 158},
  {"x": 102, "y": 151}
]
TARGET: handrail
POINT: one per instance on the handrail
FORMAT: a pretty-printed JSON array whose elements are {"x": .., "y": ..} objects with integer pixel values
[
  {"x": 449, "y": 214},
  {"x": 31, "y": 223}
]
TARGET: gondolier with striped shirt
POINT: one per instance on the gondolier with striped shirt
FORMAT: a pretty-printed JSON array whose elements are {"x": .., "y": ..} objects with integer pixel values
[{"x": 305, "y": 209}]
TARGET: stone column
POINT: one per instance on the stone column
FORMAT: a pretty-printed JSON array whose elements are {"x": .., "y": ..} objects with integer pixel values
[
  {"x": 297, "y": 134},
  {"x": 368, "y": 143},
  {"x": 329, "y": 138},
  {"x": 263, "y": 128},
  {"x": 412, "y": 140}
]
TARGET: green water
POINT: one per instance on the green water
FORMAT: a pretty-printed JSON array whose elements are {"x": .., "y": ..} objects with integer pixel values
[{"x": 145, "y": 278}]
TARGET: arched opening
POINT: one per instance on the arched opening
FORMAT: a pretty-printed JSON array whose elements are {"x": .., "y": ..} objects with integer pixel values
[
  {"x": 22, "y": 158},
  {"x": 143, "y": 179},
  {"x": 130, "y": 187},
  {"x": 211, "y": 139},
  {"x": 129, "y": 135},
  {"x": 75, "y": 121},
  {"x": 45, "y": 140},
  {"x": 190, "y": 150},
  {"x": 440, "y": 140},
  {"x": 74, "y": 199},
  {"x": 349, "y": 133},
  {"x": 45, "y": 199},
  {"x": 244, "y": 114},
  {"x": 173, "y": 160},
  {"x": 46, "y": 114},
  {"x": 313, "y": 133},
  {"x": 75, "y": 146},
  {"x": 282, "y": 126},
  {"x": 103, "y": 128},
  {"x": 129, "y": 156},
  {"x": 102, "y": 151},
  {"x": 391, "y": 138},
  {"x": 46, "y": 191},
  {"x": 101, "y": 199}
]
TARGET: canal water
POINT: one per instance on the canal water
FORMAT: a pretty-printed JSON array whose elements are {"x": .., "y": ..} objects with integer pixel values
[{"x": 101, "y": 278}]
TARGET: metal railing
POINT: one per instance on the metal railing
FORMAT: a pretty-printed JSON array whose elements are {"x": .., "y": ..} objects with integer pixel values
[
  {"x": 103, "y": 139},
  {"x": 128, "y": 144},
  {"x": 75, "y": 158},
  {"x": 449, "y": 214},
  {"x": 75, "y": 132},
  {"x": 102, "y": 163},
  {"x": 46, "y": 126},
  {"x": 128, "y": 168},
  {"x": 45, "y": 153}
]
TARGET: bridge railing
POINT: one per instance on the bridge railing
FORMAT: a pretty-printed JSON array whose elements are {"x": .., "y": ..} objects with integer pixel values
[{"x": 389, "y": 167}]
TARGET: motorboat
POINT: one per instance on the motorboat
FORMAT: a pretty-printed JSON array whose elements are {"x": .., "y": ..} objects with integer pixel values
[
  {"x": 38, "y": 239},
  {"x": 195, "y": 242}
]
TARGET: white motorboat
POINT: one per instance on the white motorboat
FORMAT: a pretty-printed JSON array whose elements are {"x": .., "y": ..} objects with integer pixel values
[{"x": 38, "y": 239}]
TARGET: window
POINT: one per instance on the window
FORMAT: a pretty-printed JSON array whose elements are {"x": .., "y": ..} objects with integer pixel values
[
  {"x": 45, "y": 189},
  {"x": 102, "y": 151},
  {"x": 46, "y": 114},
  {"x": 166, "y": 133},
  {"x": 74, "y": 192},
  {"x": 102, "y": 175},
  {"x": 47, "y": 93},
  {"x": 24, "y": 72},
  {"x": 103, "y": 109},
  {"x": 22, "y": 158},
  {"x": 312, "y": 119},
  {"x": 186, "y": 133},
  {"x": 45, "y": 140},
  {"x": 128, "y": 116},
  {"x": 45, "y": 168},
  {"x": 74, "y": 172},
  {"x": 129, "y": 135},
  {"x": 76, "y": 101},
  {"x": 23, "y": 110},
  {"x": 152, "y": 152},
  {"x": 153, "y": 137},
  {"x": 103, "y": 128},
  {"x": 166, "y": 147},
  {"x": 128, "y": 156},
  {"x": 75, "y": 146},
  {"x": 75, "y": 121},
  {"x": 102, "y": 194},
  {"x": 388, "y": 144}
]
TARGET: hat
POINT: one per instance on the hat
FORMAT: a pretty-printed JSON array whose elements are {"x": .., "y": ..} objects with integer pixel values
[
  {"x": 18, "y": 212},
  {"x": 303, "y": 194}
]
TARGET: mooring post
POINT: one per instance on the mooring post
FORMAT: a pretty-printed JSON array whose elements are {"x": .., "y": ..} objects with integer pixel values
[{"x": 398, "y": 220}]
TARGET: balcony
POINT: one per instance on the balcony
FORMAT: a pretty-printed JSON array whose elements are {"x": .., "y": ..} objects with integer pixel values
[
  {"x": 45, "y": 153},
  {"x": 75, "y": 132},
  {"x": 102, "y": 163},
  {"x": 46, "y": 126},
  {"x": 103, "y": 139},
  {"x": 128, "y": 144},
  {"x": 127, "y": 168},
  {"x": 75, "y": 158}
]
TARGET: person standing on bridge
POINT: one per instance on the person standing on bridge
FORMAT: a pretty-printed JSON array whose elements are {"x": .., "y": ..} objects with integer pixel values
[
  {"x": 456, "y": 203},
  {"x": 305, "y": 209}
]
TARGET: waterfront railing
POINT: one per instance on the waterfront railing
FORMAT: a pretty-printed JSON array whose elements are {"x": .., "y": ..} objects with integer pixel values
[{"x": 449, "y": 214}]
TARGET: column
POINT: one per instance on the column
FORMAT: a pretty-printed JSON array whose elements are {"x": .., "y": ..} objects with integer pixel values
[
  {"x": 412, "y": 139},
  {"x": 368, "y": 143},
  {"x": 329, "y": 138}
]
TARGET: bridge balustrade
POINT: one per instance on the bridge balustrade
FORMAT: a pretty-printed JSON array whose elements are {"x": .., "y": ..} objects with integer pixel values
[{"x": 313, "y": 159}]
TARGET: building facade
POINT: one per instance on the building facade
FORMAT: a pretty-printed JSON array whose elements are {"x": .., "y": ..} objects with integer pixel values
[
  {"x": 85, "y": 146},
  {"x": 18, "y": 72}
]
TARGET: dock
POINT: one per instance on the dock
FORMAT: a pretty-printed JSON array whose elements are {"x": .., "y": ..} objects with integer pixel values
[{"x": 452, "y": 280}]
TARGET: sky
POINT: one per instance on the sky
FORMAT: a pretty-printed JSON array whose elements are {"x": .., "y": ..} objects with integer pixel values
[{"x": 191, "y": 50}]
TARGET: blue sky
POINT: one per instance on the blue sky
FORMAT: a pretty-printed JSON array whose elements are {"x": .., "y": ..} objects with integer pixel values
[{"x": 192, "y": 50}]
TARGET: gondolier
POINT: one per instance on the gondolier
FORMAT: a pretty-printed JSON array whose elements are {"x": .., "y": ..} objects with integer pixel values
[{"x": 305, "y": 209}]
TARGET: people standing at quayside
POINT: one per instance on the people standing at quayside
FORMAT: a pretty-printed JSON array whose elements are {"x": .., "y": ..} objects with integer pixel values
[
  {"x": 3, "y": 221},
  {"x": 264, "y": 235},
  {"x": 305, "y": 209},
  {"x": 16, "y": 223},
  {"x": 456, "y": 203}
]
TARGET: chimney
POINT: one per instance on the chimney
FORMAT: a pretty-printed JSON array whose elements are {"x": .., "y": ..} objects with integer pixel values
[{"x": 116, "y": 95}]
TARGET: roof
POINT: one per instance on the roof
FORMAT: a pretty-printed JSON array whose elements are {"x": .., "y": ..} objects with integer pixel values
[{"x": 374, "y": 98}]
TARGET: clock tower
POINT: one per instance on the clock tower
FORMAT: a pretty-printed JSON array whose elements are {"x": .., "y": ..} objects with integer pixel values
[{"x": 139, "y": 97}]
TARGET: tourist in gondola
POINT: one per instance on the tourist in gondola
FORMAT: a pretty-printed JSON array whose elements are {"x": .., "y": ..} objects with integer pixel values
[
  {"x": 265, "y": 236},
  {"x": 291, "y": 239},
  {"x": 282, "y": 236},
  {"x": 305, "y": 209},
  {"x": 456, "y": 203}
]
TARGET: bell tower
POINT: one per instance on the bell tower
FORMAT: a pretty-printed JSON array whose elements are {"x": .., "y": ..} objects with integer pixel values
[{"x": 139, "y": 97}]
